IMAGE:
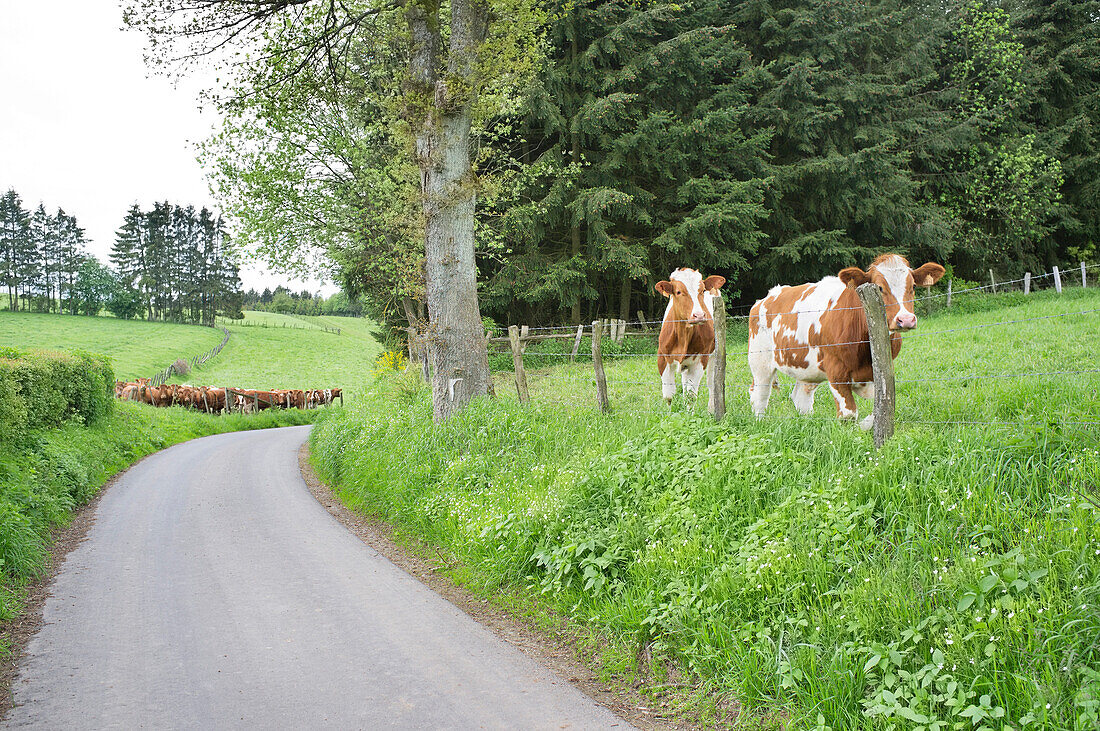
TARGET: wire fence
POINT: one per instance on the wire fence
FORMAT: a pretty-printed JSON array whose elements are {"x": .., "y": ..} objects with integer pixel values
[
  {"x": 628, "y": 393},
  {"x": 162, "y": 376},
  {"x": 282, "y": 325}
]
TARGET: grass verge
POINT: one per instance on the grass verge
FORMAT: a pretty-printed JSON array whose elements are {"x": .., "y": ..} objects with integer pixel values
[{"x": 949, "y": 580}]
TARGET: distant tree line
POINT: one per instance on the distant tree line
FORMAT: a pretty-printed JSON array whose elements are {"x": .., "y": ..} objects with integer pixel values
[
  {"x": 174, "y": 262},
  {"x": 43, "y": 258},
  {"x": 171, "y": 263},
  {"x": 288, "y": 302}
]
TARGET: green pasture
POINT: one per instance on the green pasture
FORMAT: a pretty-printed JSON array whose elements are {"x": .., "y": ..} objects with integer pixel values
[
  {"x": 950, "y": 580},
  {"x": 136, "y": 348},
  {"x": 300, "y": 355}
]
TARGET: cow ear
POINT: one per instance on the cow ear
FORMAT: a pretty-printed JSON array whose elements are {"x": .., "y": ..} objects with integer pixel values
[
  {"x": 854, "y": 276},
  {"x": 665, "y": 288},
  {"x": 713, "y": 283},
  {"x": 928, "y": 274}
]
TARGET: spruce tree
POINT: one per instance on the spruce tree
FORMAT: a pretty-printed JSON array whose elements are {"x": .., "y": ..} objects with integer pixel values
[
  {"x": 637, "y": 160},
  {"x": 14, "y": 238}
]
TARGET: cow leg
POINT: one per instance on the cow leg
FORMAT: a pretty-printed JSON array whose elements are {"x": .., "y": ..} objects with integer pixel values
[
  {"x": 668, "y": 378},
  {"x": 803, "y": 396},
  {"x": 763, "y": 377},
  {"x": 845, "y": 400},
  {"x": 867, "y": 391},
  {"x": 692, "y": 376}
]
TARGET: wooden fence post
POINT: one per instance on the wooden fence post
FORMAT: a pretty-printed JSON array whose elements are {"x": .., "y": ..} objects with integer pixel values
[
  {"x": 949, "y": 293},
  {"x": 597, "y": 363},
  {"x": 1084, "y": 277},
  {"x": 576, "y": 344},
  {"x": 1027, "y": 282},
  {"x": 882, "y": 361},
  {"x": 1057, "y": 280},
  {"x": 517, "y": 362},
  {"x": 716, "y": 373}
]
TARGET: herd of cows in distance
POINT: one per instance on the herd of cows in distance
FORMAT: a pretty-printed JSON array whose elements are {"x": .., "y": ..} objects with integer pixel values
[{"x": 224, "y": 400}]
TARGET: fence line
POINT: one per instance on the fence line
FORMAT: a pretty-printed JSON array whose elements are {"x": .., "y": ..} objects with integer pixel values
[
  {"x": 284, "y": 326},
  {"x": 992, "y": 287},
  {"x": 520, "y": 336},
  {"x": 194, "y": 362}
]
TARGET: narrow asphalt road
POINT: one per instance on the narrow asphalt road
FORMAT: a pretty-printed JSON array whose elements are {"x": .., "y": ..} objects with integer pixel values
[{"x": 214, "y": 592}]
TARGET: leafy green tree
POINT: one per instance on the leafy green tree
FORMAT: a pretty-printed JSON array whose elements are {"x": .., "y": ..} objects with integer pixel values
[
  {"x": 125, "y": 302},
  {"x": 1061, "y": 40},
  {"x": 462, "y": 61},
  {"x": 1006, "y": 188},
  {"x": 94, "y": 287}
]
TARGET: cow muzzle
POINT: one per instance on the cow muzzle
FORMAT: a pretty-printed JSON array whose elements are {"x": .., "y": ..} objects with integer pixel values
[{"x": 904, "y": 321}]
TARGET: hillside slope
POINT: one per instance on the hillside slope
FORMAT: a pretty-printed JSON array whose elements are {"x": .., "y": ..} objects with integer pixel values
[
  {"x": 283, "y": 351},
  {"x": 136, "y": 348}
]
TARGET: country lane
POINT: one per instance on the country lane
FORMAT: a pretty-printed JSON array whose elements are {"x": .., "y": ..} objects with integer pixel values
[{"x": 213, "y": 591}]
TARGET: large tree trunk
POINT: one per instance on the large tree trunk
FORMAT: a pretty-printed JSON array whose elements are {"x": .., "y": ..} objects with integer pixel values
[{"x": 441, "y": 117}]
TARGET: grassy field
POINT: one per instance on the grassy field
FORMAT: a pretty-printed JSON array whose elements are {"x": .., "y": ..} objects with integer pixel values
[
  {"x": 293, "y": 357},
  {"x": 136, "y": 348},
  {"x": 949, "y": 580},
  {"x": 299, "y": 355}
]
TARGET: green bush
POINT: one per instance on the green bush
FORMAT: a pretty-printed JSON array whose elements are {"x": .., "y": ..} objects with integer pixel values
[{"x": 43, "y": 389}]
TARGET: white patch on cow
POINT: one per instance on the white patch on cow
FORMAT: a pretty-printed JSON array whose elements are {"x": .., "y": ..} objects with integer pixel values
[
  {"x": 691, "y": 375},
  {"x": 692, "y": 281},
  {"x": 867, "y": 422},
  {"x": 896, "y": 273},
  {"x": 803, "y": 397},
  {"x": 820, "y": 298},
  {"x": 668, "y": 381}
]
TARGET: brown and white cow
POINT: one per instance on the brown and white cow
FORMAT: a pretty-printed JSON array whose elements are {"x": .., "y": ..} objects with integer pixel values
[
  {"x": 818, "y": 332},
  {"x": 687, "y": 333}
]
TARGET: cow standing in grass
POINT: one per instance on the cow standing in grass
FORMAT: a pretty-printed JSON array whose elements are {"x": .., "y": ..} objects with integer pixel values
[
  {"x": 687, "y": 332},
  {"x": 818, "y": 332}
]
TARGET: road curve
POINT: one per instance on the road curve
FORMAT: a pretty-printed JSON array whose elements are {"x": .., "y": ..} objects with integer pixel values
[{"x": 214, "y": 592}]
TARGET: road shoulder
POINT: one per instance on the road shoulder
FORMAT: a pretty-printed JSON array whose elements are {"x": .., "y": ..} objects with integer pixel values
[{"x": 556, "y": 651}]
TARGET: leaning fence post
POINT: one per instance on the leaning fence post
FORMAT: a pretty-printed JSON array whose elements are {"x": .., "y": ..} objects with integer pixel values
[
  {"x": 993, "y": 281},
  {"x": 597, "y": 363},
  {"x": 717, "y": 370},
  {"x": 1084, "y": 277},
  {"x": 1057, "y": 280},
  {"x": 882, "y": 361},
  {"x": 576, "y": 344},
  {"x": 517, "y": 362},
  {"x": 1027, "y": 282},
  {"x": 949, "y": 293}
]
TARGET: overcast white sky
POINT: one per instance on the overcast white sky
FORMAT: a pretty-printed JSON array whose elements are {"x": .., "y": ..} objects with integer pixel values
[{"x": 85, "y": 127}]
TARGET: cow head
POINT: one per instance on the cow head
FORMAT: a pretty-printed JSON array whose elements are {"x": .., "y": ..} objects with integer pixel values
[
  {"x": 685, "y": 290},
  {"x": 893, "y": 276}
]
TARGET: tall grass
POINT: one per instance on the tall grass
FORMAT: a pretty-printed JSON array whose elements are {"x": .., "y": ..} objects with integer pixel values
[{"x": 949, "y": 580}]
